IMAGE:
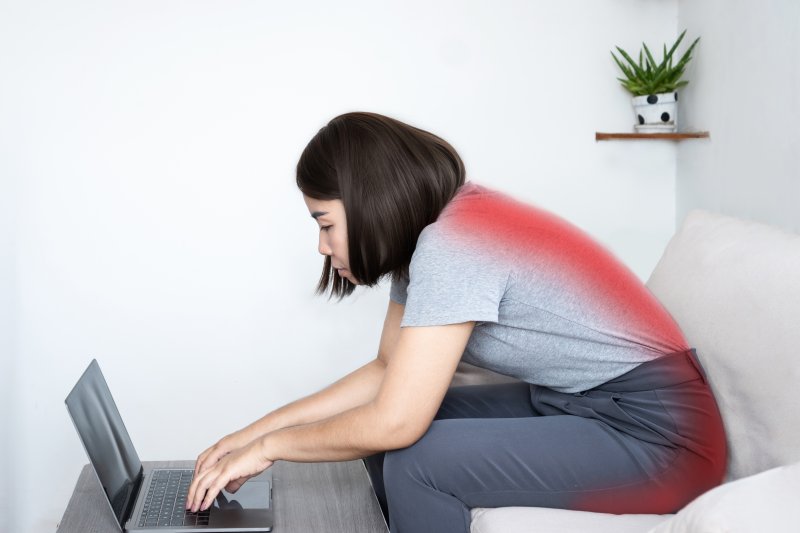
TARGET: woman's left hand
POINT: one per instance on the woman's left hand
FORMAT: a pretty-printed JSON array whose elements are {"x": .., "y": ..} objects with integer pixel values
[{"x": 229, "y": 472}]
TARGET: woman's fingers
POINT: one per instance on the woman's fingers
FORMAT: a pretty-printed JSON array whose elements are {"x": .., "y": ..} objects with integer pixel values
[
  {"x": 204, "y": 463},
  {"x": 200, "y": 464},
  {"x": 202, "y": 495},
  {"x": 236, "y": 484},
  {"x": 193, "y": 489},
  {"x": 235, "y": 468},
  {"x": 213, "y": 489},
  {"x": 211, "y": 456}
]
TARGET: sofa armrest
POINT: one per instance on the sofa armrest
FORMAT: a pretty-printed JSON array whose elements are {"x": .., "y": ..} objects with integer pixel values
[{"x": 761, "y": 502}]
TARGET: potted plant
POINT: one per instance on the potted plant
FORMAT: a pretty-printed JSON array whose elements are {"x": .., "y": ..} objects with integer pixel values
[{"x": 654, "y": 86}]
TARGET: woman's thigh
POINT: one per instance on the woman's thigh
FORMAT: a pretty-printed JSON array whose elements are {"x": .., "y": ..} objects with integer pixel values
[
  {"x": 565, "y": 461},
  {"x": 647, "y": 442}
]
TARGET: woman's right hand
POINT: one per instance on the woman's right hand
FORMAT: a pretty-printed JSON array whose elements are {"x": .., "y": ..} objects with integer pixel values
[{"x": 223, "y": 447}]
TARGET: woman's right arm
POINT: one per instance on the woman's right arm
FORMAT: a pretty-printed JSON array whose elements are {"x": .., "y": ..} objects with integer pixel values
[{"x": 356, "y": 388}]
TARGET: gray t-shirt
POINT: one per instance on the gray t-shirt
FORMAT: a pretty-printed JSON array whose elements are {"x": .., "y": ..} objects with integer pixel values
[{"x": 552, "y": 306}]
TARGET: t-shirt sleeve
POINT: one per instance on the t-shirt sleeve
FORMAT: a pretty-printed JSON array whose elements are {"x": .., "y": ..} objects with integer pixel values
[
  {"x": 452, "y": 280},
  {"x": 399, "y": 290}
]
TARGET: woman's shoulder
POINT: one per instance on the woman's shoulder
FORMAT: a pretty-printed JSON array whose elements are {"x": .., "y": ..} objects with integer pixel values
[
  {"x": 471, "y": 191},
  {"x": 467, "y": 216}
]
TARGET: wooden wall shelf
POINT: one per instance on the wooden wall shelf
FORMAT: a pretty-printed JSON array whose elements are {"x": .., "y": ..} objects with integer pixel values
[{"x": 598, "y": 136}]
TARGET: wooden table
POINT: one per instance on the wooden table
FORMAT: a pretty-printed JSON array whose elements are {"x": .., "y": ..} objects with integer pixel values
[{"x": 308, "y": 497}]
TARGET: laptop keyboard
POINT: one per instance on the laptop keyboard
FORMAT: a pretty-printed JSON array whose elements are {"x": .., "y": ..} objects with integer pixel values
[{"x": 165, "y": 503}]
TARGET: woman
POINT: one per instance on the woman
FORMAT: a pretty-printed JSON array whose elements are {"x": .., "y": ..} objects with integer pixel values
[{"x": 612, "y": 413}]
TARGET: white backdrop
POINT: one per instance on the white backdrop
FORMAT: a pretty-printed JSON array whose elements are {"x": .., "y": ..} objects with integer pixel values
[
  {"x": 150, "y": 217},
  {"x": 745, "y": 88}
]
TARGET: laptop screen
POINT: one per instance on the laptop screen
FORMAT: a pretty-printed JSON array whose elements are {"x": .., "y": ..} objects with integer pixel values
[{"x": 105, "y": 439}]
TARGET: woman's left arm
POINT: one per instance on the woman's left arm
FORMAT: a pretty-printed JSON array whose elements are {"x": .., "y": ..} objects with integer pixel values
[{"x": 415, "y": 382}]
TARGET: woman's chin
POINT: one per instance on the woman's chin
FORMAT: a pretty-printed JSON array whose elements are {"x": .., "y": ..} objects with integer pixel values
[{"x": 344, "y": 273}]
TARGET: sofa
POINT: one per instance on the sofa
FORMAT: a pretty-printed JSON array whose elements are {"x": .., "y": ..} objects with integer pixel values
[{"x": 734, "y": 288}]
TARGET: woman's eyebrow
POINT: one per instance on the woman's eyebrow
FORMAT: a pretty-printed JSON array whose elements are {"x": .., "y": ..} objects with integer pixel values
[{"x": 316, "y": 214}]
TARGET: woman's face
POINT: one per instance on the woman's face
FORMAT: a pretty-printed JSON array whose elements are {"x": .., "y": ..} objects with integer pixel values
[{"x": 330, "y": 217}]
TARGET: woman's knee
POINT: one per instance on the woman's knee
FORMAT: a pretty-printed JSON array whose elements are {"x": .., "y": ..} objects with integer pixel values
[
  {"x": 424, "y": 462},
  {"x": 413, "y": 462},
  {"x": 401, "y": 467}
]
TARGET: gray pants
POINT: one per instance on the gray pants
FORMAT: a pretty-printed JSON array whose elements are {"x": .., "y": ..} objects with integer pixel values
[{"x": 648, "y": 441}]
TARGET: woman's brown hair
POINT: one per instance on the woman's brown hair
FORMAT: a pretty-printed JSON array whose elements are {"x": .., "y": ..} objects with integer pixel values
[{"x": 393, "y": 179}]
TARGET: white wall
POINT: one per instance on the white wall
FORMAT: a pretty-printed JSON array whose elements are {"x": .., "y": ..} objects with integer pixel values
[
  {"x": 8, "y": 332},
  {"x": 150, "y": 149},
  {"x": 745, "y": 82}
]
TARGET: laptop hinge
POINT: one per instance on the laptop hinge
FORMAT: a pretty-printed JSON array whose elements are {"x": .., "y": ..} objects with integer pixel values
[{"x": 131, "y": 499}]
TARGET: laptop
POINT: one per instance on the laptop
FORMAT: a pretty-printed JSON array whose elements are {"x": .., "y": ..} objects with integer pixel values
[{"x": 145, "y": 499}]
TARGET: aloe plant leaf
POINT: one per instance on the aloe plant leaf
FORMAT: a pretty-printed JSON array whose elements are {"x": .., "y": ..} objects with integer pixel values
[
  {"x": 675, "y": 46},
  {"x": 688, "y": 54},
  {"x": 659, "y": 80},
  {"x": 625, "y": 70},
  {"x": 650, "y": 60},
  {"x": 633, "y": 89},
  {"x": 676, "y": 75},
  {"x": 659, "y": 69},
  {"x": 648, "y": 77},
  {"x": 681, "y": 65},
  {"x": 625, "y": 55},
  {"x": 636, "y": 68}
]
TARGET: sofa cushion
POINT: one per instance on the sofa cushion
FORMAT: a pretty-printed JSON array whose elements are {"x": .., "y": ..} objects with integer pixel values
[
  {"x": 763, "y": 502},
  {"x": 543, "y": 520},
  {"x": 733, "y": 286}
]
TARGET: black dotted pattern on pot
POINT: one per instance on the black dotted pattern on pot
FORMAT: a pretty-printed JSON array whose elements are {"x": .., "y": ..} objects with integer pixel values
[
  {"x": 641, "y": 119},
  {"x": 664, "y": 117},
  {"x": 652, "y": 99}
]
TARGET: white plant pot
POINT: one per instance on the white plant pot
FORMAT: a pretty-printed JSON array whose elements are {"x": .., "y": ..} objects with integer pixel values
[{"x": 656, "y": 113}]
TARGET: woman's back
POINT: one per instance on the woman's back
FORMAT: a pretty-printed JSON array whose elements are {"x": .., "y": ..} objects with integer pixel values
[{"x": 553, "y": 306}]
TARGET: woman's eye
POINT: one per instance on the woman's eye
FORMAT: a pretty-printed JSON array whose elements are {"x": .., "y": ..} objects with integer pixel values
[{"x": 324, "y": 227}]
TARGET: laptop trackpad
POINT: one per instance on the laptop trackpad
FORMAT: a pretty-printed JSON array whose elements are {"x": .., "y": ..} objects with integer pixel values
[{"x": 248, "y": 507}]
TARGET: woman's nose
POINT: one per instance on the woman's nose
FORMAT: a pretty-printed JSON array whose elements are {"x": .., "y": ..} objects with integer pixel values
[{"x": 324, "y": 249}]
